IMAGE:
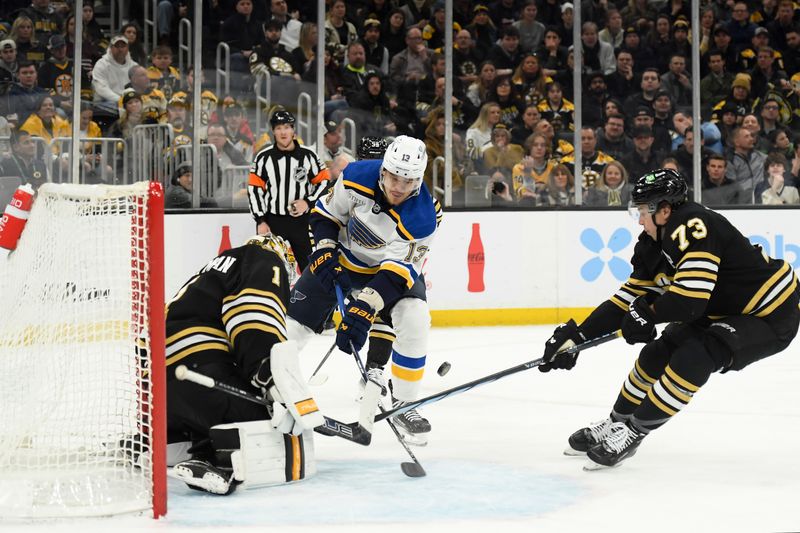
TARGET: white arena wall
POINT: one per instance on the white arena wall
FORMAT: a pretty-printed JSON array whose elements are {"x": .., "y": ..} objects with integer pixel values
[{"x": 540, "y": 266}]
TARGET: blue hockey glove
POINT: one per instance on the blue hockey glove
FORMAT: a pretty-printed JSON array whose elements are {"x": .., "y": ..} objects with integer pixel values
[
  {"x": 324, "y": 263},
  {"x": 356, "y": 322},
  {"x": 639, "y": 323}
]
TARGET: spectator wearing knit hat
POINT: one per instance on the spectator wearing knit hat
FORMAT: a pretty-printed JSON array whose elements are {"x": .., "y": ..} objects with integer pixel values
[{"x": 739, "y": 97}]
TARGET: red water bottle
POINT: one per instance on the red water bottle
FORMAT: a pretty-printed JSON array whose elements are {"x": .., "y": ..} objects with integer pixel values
[
  {"x": 14, "y": 218},
  {"x": 475, "y": 260},
  {"x": 225, "y": 242}
]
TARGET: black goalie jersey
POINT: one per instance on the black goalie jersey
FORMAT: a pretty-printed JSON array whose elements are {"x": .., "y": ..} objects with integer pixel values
[
  {"x": 234, "y": 309},
  {"x": 703, "y": 268}
]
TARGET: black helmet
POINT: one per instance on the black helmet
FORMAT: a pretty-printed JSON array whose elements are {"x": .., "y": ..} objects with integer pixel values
[
  {"x": 662, "y": 185},
  {"x": 371, "y": 148},
  {"x": 281, "y": 117}
]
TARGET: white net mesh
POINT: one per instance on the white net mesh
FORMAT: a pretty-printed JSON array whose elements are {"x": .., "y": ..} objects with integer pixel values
[{"x": 74, "y": 385}]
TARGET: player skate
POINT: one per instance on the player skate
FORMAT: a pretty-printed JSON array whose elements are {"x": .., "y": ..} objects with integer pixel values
[
  {"x": 621, "y": 443},
  {"x": 203, "y": 476},
  {"x": 412, "y": 426},
  {"x": 582, "y": 440}
]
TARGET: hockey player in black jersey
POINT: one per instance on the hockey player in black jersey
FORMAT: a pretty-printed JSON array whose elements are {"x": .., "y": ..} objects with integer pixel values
[
  {"x": 229, "y": 322},
  {"x": 726, "y": 303}
]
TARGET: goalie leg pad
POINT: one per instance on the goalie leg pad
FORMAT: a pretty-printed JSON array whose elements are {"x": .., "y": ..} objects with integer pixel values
[
  {"x": 412, "y": 321},
  {"x": 260, "y": 456},
  {"x": 298, "y": 333},
  {"x": 292, "y": 386}
]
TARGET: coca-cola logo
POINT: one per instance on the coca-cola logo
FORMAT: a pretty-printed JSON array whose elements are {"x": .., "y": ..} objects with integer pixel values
[{"x": 475, "y": 258}]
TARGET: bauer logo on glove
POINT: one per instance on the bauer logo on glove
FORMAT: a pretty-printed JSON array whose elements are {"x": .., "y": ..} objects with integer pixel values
[{"x": 327, "y": 256}]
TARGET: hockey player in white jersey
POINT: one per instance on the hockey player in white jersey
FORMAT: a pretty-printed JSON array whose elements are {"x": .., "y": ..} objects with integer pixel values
[{"x": 372, "y": 230}]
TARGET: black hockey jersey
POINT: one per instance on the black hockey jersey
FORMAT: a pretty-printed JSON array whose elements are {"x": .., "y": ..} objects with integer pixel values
[
  {"x": 705, "y": 267},
  {"x": 235, "y": 307}
]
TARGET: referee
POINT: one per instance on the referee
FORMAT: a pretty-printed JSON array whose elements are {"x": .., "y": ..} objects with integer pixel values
[{"x": 285, "y": 181}]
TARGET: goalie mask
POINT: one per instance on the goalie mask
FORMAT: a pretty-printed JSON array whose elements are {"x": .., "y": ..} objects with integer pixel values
[
  {"x": 281, "y": 248},
  {"x": 407, "y": 159}
]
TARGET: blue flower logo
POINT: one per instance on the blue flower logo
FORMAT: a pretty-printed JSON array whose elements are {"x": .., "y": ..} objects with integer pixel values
[{"x": 606, "y": 253}]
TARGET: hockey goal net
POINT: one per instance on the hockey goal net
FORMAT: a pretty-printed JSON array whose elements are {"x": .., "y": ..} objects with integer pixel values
[{"x": 82, "y": 408}]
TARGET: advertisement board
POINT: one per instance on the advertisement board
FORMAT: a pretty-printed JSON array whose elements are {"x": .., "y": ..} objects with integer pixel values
[{"x": 500, "y": 267}]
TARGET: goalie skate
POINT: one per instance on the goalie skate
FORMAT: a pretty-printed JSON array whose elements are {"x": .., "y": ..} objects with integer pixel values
[
  {"x": 203, "y": 476},
  {"x": 413, "y": 427}
]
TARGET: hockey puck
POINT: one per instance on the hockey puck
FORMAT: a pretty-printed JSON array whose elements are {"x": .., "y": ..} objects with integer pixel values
[{"x": 444, "y": 368}]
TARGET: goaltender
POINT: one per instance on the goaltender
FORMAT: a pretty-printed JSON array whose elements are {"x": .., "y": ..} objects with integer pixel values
[{"x": 229, "y": 322}]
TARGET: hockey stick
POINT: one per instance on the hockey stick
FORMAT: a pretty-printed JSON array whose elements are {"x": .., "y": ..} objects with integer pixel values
[
  {"x": 493, "y": 377},
  {"x": 353, "y": 432},
  {"x": 322, "y": 378},
  {"x": 371, "y": 398}
]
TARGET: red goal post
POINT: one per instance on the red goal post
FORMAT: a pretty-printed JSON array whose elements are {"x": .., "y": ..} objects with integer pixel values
[{"x": 82, "y": 376}]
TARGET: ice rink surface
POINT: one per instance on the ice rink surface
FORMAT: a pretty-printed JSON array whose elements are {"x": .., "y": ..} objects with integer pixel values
[{"x": 729, "y": 462}]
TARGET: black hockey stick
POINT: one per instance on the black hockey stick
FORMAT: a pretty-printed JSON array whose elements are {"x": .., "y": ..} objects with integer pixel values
[
  {"x": 320, "y": 381},
  {"x": 353, "y": 432},
  {"x": 410, "y": 469},
  {"x": 493, "y": 377}
]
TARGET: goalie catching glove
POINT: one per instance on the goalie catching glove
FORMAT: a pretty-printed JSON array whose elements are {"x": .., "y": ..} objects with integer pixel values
[
  {"x": 356, "y": 323},
  {"x": 639, "y": 323},
  {"x": 294, "y": 409},
  {"x": 324, "y": 264},
  {"x": 565, "y": 336}
]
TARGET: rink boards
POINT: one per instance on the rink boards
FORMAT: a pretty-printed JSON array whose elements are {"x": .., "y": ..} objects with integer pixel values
[{"x": 538, "y": 266}]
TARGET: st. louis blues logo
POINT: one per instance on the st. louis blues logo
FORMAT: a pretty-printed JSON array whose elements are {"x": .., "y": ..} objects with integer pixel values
[
  {"x": 362, "y": 235},
  {"x": 296, "y": 296}
]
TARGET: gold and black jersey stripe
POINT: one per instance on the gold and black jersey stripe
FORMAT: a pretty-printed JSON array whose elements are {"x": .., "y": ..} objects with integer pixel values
[
  {"x": 254, "y": 309},
  {"x": 195, "y": 339},
  {"x": 696, "y": 275},
  {"x": 632, "y": 289}
]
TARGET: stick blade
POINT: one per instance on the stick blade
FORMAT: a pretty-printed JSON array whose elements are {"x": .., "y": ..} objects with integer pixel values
[{"x": 413, "y": 469}]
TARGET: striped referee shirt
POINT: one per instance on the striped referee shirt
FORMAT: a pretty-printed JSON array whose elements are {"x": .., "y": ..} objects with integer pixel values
[{"x": 278, "y": 178}]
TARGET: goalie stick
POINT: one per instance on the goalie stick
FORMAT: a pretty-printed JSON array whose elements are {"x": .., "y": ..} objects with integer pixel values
[
  {"x": 493, "y": 377},
  {"x": 371, "y": 400},
  {"x": 354, "y": 431}
]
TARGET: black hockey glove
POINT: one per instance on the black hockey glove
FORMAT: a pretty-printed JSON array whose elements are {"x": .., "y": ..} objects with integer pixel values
[
  {"x": 639, "y": 323},
  {"x": 324, "y": 264},
  {"x": 356, "y": 322},
  {"x": 563, "y": 337}
]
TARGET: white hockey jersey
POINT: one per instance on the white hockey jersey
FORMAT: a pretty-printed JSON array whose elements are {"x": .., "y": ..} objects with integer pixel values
[{"x": 373, "y": 235}]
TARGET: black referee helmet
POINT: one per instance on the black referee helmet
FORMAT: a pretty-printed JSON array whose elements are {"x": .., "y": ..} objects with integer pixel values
[{"x": 281, "y": 117}]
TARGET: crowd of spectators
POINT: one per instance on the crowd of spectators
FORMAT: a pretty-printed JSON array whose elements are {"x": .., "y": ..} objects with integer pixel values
[{"x": 513, "y": 104}]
